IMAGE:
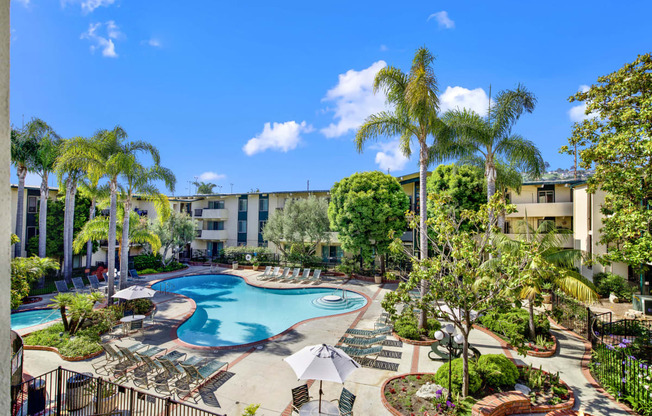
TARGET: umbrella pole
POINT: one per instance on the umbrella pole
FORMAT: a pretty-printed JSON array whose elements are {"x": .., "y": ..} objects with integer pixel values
[{"x": 320, "y": 393}]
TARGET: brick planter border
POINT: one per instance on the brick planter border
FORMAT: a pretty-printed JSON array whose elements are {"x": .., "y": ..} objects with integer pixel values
[
  {"x": 425, "y": 343},
  {"x": 63, "y": 357},
  {"x": 386, "y": 404}
]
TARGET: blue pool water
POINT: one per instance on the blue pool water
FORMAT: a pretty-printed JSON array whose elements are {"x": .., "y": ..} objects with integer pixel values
[
  {"x": 231, "y": 312},
  {"x": 20, "y": 320}
]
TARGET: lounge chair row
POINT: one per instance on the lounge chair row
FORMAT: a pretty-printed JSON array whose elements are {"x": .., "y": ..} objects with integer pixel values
[
  {"x": 296, "y": 276},
  {"x": 94, "y": 283},
  {"x": 169, "y": 372}
]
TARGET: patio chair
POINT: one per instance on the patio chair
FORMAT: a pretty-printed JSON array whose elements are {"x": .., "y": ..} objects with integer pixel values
[
  {"x": 273, "y": 273},
  {"x": 152, "y": 315},
  {"x": 134, "y": 274},
  {"x": 295, "y": 274},
  {"x": 79, "y": 285},
  {"x": 345, "y": 402},
  {"x": 363, "y": 342},
  {"x": 283, "y": 275},
  {"x": 170, "y": 371},
  {"x": 369, "y": 333},
  {"x": 316, "y": 276},
  {"x": 266, "y": 273},
  {"x": 304, "y": 277},
  {"x": 111, "y": 356},
  {"x": 198, "y": 375},
  {"x": 300, "y": 396},
  {"x": 364, "y": 352},
  {"x": 95, "y": 283},
  {"x": 62, "y": 286}
]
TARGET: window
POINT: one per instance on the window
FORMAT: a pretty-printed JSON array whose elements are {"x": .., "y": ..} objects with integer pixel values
[
  {"x": 261, "y": 225},
  {"x": 32, "y": 203},
  {"x": 263, "y": 204},
  {"x": 216, "y": 225},
  {"x": 215, "y": 204},
  {"x": 31, "y": 232},
  {"x": 242, "y": 205},
  {"x": 546, "y": 196},
  {"x": 242, "y": 226}
]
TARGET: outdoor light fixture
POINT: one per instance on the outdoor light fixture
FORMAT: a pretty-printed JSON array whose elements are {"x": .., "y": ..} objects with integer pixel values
[{"x": 449, "y": 330}]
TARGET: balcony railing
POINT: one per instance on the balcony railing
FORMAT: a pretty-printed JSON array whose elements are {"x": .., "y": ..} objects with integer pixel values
[{"x": 198, "y": 212}]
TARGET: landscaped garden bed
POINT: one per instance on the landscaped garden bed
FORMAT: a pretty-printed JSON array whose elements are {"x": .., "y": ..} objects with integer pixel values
[
  {"x": 406, "y": 329},
  {"x": 494, "y": 381},
  {"x": 512, "y": 327}
]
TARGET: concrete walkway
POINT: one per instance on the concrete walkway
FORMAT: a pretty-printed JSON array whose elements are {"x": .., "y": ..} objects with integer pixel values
[{"x": 259, "y": 375}]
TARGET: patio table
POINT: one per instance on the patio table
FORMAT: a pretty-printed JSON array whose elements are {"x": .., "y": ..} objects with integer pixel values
[{"x": 132, "y": 318}]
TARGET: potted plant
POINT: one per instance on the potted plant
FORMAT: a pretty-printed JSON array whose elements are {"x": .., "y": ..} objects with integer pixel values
[
  {"x": 547, "y": 293},
  {"x": 234, "y": 265},
  {"x": 255, "y": 263}
]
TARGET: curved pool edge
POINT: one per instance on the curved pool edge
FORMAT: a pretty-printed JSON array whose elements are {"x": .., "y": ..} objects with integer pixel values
[
  {"x": 33, "y": 328},
  {"x": 175, "y": 337}
]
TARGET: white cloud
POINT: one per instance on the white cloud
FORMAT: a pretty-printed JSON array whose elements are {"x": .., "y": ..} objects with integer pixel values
[
  {"x": 577, "y": 113},
  {"x": 443, "y": 21},
  {"x": 211, "y": 176},
  {"x": 390, "y": 156},
  {"x": 354, "y": 100},
  {"x": 88, "y": 6},
  {"x": 277, "y": 136},
  {"x": 460, "y": 97},
  {"x": 103, "y": 42},
  {"x": 384, "y": 48},
  {"x": 153, "y": 42}
]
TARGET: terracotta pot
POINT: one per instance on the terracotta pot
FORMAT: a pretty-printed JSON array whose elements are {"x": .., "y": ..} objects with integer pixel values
[
  {"x": 235, "y": 265},
  {"x": 255, "y": 267},
  {"x": 547, "y": 298},
  {"x": 378, "y": 279}
]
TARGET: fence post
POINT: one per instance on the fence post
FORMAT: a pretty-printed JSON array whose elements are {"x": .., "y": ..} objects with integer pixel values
[
  {"x": 98, "y": 395},
  {"x": 59, "y": 381},
  {"x": 623, "y": 371},
  {"x": 168, "y": 406},
  {"x": 131, "y": 401}
]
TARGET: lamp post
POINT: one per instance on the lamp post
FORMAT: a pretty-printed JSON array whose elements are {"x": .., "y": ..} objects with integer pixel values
[{"x": 439, "y": 335}]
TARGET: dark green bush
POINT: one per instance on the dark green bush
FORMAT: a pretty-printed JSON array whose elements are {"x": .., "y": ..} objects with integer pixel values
[
  {"x": 497, "y": 370},
  {"x": 147, "y": 271},
  {"x": 85, "y": 342},
  {"x": 147, "y": 261},
  {"x": 433, "y": 326},
  {"x": 407, "y": 326},
  {"x": 139, "y": 306},
  {"x": 609, "y": 283},
  {"x": 441, "y": 377},
  {"x": 512, "y": 324}
]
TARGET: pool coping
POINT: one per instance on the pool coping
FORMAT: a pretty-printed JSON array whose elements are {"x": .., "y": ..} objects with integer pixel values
[
  {"x": 173, "y": 331},
  {"x": 33, "y": 328}
]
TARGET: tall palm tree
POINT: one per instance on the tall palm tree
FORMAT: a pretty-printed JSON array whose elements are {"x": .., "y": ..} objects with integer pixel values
[
  {"x": 90, "y": 188},
  {"x": 140, "y": 180},
  {"x": 414, "y": 102},
  {"x": 23, "y": 153},
  {"x": 491, "y": 137},
  {"x": 68, "y": 174},
  {"x": 551, "y": 263},
  {"x": 46, "y": 156},
  {"x": 109, "y": 153}
]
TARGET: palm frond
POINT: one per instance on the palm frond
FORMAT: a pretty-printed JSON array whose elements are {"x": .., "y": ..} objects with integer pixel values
[
  {"x": 522, "y": 153},
  {"x": 577, "y": 286},
  {"x": 383, "y": 124}
]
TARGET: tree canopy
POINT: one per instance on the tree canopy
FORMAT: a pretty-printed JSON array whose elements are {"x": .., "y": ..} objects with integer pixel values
[
  {"x": 616, "y": 141},
  {"x": 464, "y": 184},
  {"x": 301, "y": 226},
  {"x": 175, "y": 231},
  {"x": 367, "y": 210}
]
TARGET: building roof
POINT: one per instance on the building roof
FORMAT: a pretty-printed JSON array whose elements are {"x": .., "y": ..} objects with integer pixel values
[
  {"x": 189, "y": 197},
  {"x": 569, "y": 182}
]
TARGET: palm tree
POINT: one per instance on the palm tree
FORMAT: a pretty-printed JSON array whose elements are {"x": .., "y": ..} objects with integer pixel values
[
  {"x": 413, "y": 97},
  {"x": 23, "y": 153},
  {"x": 68, "y": 174},
  {"x": 491, "y": 137},
  {"x": 110, "y": 154},
  {"x": 204, "y": 188},
  {"x": 46, "y": 155},
  {"x": 139, "y": 180},
  {"x": 90, "y": 188},
  {"x": 551, "y": 263}
]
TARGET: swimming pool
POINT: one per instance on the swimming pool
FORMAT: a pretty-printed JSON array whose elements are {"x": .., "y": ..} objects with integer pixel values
[
  {"x": 231, "y": 312},
  {"x": 20, "y": 320}
]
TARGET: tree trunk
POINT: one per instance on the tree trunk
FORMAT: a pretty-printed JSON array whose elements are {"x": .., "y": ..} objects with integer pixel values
[
  {"x": 124, "y": 250},
  {"x": 68, "y": 227},
  {"x": 423, "y": 231},
  {"x": 382, "y": 264},
  {"x": 490, "y": 173},
  {"x": 533, "y": 332},
  {"x": 89, "y": 243},
  {"x": 465, "y": 366},
  {"x": 43, "y": 216},
  {"x": 20, "y": 206},
  {"x": 111, "y": 240}
]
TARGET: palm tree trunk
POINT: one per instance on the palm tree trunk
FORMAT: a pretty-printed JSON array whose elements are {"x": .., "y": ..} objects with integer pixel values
[
  {"x": 124, "y": 253},
  {"x": 423, "y": 231},
  {"x": 20, "y": 204},
  {"x": 43, "y": 216},
  {"x": 111, "y": 239},
  {"x": 89, "y": 243},
  {"x": 69, "y": 220},
  {"x": 490, "y": 173},
  {"x": 533, "y": 332}
]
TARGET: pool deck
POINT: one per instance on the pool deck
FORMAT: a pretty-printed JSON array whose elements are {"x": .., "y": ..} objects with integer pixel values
[{"x": 258, "y": 375}]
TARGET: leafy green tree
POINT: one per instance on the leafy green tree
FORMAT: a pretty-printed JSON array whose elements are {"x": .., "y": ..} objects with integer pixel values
[
  {"x": 415, "y": 103},
  {"x": 461, "y": 285},
  {"x": 175, "y": 232},
  {"x": 617, "y": 144},
  {"x": 23, "y": 155},
  {"x": 491, "y": 137},
  {"x": 25, "y": 271},
  {"x": 301, "y": 226},
  {"x": 552, "y": 263},
  {"x": 90, "y": 188},
  {"x": 367, "y": 209},
  {"x": 204, "y": 188},
  {"x": 464, "y": 184}
]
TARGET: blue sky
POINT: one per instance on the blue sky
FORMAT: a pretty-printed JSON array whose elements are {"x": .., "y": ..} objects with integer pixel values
[{"x": 268, "y": 94}]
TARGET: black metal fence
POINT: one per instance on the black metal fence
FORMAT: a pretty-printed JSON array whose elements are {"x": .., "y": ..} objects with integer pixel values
[
  {"x": 66, "y": 392},
  {"x": 570, "y": 313}
]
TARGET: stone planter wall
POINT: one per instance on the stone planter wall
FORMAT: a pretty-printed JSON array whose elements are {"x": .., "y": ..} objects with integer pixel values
[
  {"x": 63, "y": 357},
  {"x": 425, "y": 343}
]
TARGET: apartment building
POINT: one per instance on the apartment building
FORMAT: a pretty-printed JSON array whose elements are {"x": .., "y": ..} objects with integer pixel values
[{"x": 32, "y": 197}]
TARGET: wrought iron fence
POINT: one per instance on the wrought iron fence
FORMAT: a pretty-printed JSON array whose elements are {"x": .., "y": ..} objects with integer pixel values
[
  {"x": 570, "y": 313},
  {"x": 66, "y": 392}
]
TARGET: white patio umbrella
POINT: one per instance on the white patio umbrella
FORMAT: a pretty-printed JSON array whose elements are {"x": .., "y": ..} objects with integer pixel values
[
  {"x": 135, "y": 292},
  {"x": 322, "y": 362}
]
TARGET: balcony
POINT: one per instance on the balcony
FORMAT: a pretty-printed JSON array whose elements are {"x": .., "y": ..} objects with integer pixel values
[
  {"x": 220, "y": 235},
  {"x": 212, "y": 214},
  {"x": 554, "y": 209}
]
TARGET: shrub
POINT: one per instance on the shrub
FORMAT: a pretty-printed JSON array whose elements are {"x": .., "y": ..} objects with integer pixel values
[
  {"x": 148, "y": 271},
  {"x": 513, "y": 324},
  {"x": 609, "y": 283},
  {"x": 441, "y": 377},
  {"x": 85, "y": 342},
  {"x": 139, "y": 306},
  {"x": 433, "y": 326},
  {"x": 79, "y": 346},
  {"x": 407, "y": 326},
  {"x": 148, "y": 261},
  {"x": 497, "y": 370}
]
